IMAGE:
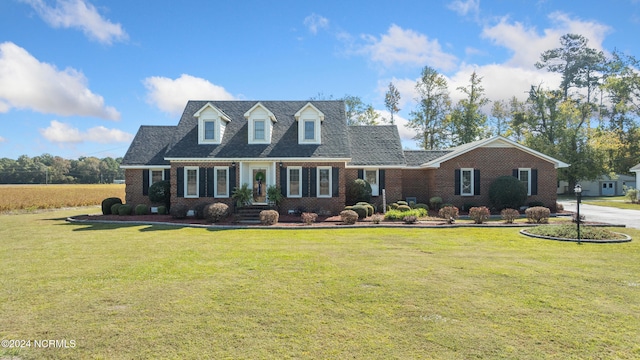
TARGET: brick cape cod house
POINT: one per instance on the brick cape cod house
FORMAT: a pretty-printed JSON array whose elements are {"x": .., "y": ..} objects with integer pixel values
[{"x": 307, "y": 149}]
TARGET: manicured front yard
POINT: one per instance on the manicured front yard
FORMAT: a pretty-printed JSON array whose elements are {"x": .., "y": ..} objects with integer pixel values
[{"x": 123, "y": 292}]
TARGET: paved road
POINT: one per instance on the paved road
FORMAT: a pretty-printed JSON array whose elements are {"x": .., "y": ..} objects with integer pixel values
[{"x": 631, "y": 218}]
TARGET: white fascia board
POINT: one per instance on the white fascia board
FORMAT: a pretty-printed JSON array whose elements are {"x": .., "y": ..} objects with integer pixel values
[
  {"x": 347, "y": 166},
  {"x": 143, "y": 167},
  {"x": 259, "y": 159}
]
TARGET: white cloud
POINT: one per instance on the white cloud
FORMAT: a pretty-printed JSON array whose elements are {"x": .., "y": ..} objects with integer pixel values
[
  {"x": 64, "y": 133},
  {"x": 2, "y": 139},
  {"x": 465, "y": 7},
  {"x": 27, "y": 83},
  {"x": 315, "y": 22},
  {"x": 527, "y": 44},
  {"x": 79, "y": 14},
  {"x": 400, "y": 46},
  {"x": 172, "y": 95}
]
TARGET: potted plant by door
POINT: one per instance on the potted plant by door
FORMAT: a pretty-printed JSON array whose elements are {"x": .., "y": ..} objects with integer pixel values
[
  {"x": 274, "y": 195},
  {"x": 242, "y": 195}
]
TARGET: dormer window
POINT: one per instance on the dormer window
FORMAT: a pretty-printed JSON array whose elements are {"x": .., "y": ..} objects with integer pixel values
[
  {"x": 309, "y": 120},
  {"x": 211, "y": 124},
  {"x": 260, "y": 124}
]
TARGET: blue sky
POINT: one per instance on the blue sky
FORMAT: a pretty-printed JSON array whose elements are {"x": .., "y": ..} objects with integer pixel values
[{"x": 78, "y": 77}]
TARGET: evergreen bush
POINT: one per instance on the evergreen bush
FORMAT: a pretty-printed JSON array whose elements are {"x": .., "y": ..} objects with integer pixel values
[
  {"x": 141, "y": 209},
  {"x": 125, "y": 210},
  {"x": 435, "y": 202},
  {"x": 114, "y": 208},
  {"x": 107, "y": 203},
  {"x": 358, "y": 190},
  {"x": 360, "y": 210},
  {"x": 507, "y": 192},
  {"x": 160, "y": 192},
  {"x": 538, "y": 215},
  {"x": 215, "y": 212}
]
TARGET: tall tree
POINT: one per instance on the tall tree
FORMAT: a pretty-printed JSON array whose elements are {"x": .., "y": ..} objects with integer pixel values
[
  {"x": 392, "y": 100},
  {"x": 500, "y": 116},
  {"x": 579, "y": 65},
  {"x": 467, "y": 119},
  {"x": 434, "y": 104}
]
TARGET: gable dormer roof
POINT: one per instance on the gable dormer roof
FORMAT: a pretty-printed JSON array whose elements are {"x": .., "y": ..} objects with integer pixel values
[
  {"x": 219, "y": 112},
  {"x": 259, "y": 105},
  {"x": 309, "y": 106}
]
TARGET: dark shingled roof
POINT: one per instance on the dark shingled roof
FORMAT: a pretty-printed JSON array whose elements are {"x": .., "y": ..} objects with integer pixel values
[
  {"x": 149, "y": 146},
  {"x": 284, "y": 140},
  {"x": 375, "y": 145},
  {"x": 419, "y": 157}
]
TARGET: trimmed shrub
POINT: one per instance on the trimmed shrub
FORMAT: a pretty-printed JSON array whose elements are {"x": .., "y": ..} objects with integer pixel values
[
  {"x": 142, "y": 209},
  {"x": 125, "y": 210},
  {"x": 507, "y": 192},
  {"x": 435, "y": 202},
  {"x": 559, "y": 207},
  {"x": 360, "y": 210},
  {"x": 309, "y": 218},
  {"x": 449, "y": 213},
  {"x": 114, "y": 208},
  {"x": 377, "y": 218},
  {"x": 199, "y": 210},
  {"x": 479, "y": 214},
  {"x": 269, "y": 217},
  {"x": 107, "y": 203},
  {"x": 538, "y": 215},
  {"x": 160, "y": 192},
  {"x": 410, "y": 219},
  {"x": 393, "y": 206},
  {"x": 179, "y": 211},
  {"x": 509, "y": 215},
  {"x": 358, "y": 190},
  {"x": 369, "y": 207},
  {"x": 400, "y": 202},
  {"x": 403, "y": 208},
  {"x": 162, "y": 210},
  {"x": 421, "y": 206},
  {"x": 215, "y": 212},
  {"x": 632, "y": 195},
  {"x": 349, "y": 217},
  {"x": 399, "y": 215}
]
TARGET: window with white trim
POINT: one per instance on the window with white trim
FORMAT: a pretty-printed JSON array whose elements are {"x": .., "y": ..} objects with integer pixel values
[
  {"x": 209, "y": 130},
  {"x": 309, "y": 120},
  {"x": 258, "y": 130},
  {"x": 324, "y": 181},
  {"x": 192, "y": 182},
  {"x": 371, "y": 176},
  {"x": 155, "y": 176},
  {"x": 466, "y": 182},
  {"x": 524, "y": 175},
  {"x": 294, "y": 181},
  {"x": 309, "y": 130},
  {"x": 221, "y": 182}
]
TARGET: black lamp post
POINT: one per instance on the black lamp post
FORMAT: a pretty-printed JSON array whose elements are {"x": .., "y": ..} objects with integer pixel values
[{"x": 578, "y": 191}]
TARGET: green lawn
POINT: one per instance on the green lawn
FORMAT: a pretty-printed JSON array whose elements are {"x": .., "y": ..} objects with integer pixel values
[
  {"x": 149, "y": 292},
  {"x": 620, "y": 202}
]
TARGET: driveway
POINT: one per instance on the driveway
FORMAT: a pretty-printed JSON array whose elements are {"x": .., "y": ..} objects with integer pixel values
[{"x": 630, "y": 218}]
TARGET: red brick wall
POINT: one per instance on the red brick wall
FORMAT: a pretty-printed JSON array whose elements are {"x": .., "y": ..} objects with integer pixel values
[
  {"x": 418, "y": 183},
  {"x": 133, "y": 189},
  {"x": 393, "y": 185},
  {"x": 331, "y": 205},
  {"x": 493, "y": 163}
]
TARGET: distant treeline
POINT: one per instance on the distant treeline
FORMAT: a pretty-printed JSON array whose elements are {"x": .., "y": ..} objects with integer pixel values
[{"x": 49, "y": 169}]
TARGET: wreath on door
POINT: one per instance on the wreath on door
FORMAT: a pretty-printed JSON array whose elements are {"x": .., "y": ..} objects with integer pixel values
[{"x": 260, "y": 176}]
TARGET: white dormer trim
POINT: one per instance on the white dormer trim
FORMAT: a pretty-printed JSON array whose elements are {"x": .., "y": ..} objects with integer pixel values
[
  {"x": 211, "y": 124},
  {"x": 259, "y": 114},
  {"x": 309, "y": 120}
]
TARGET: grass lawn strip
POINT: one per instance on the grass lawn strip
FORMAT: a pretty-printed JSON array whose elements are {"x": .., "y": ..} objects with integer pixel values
[{"x": 125, "y": 291}]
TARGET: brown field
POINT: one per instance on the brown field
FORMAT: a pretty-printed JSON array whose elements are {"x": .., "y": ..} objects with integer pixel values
[{"x": 34, "y": 197}]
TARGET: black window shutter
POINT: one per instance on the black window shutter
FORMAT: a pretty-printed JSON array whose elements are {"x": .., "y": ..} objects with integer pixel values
[
  {"x": 167, "y": 174},
  {"x": 283, "y": 181},
  {"x": 180, "y": 182},
  {"x": 476, "y": 182},
  {"x": 381, "y": 183},
  {"x": 456, "y": 182},
  {"x": 360, "y": 173},
  {"x": 210, "y": 181},
  {"x": 203, "y": 182},
  {"x": 335, "y": 181},
  {"x": 305, "y": 182},
  {"x": 145, "y": 182},
  {"x": 534, "y": 181},
  {"x": 313, "y": 175},
  {"x": 232, "y": 180},
  {"x": 515, "y": 174}
]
